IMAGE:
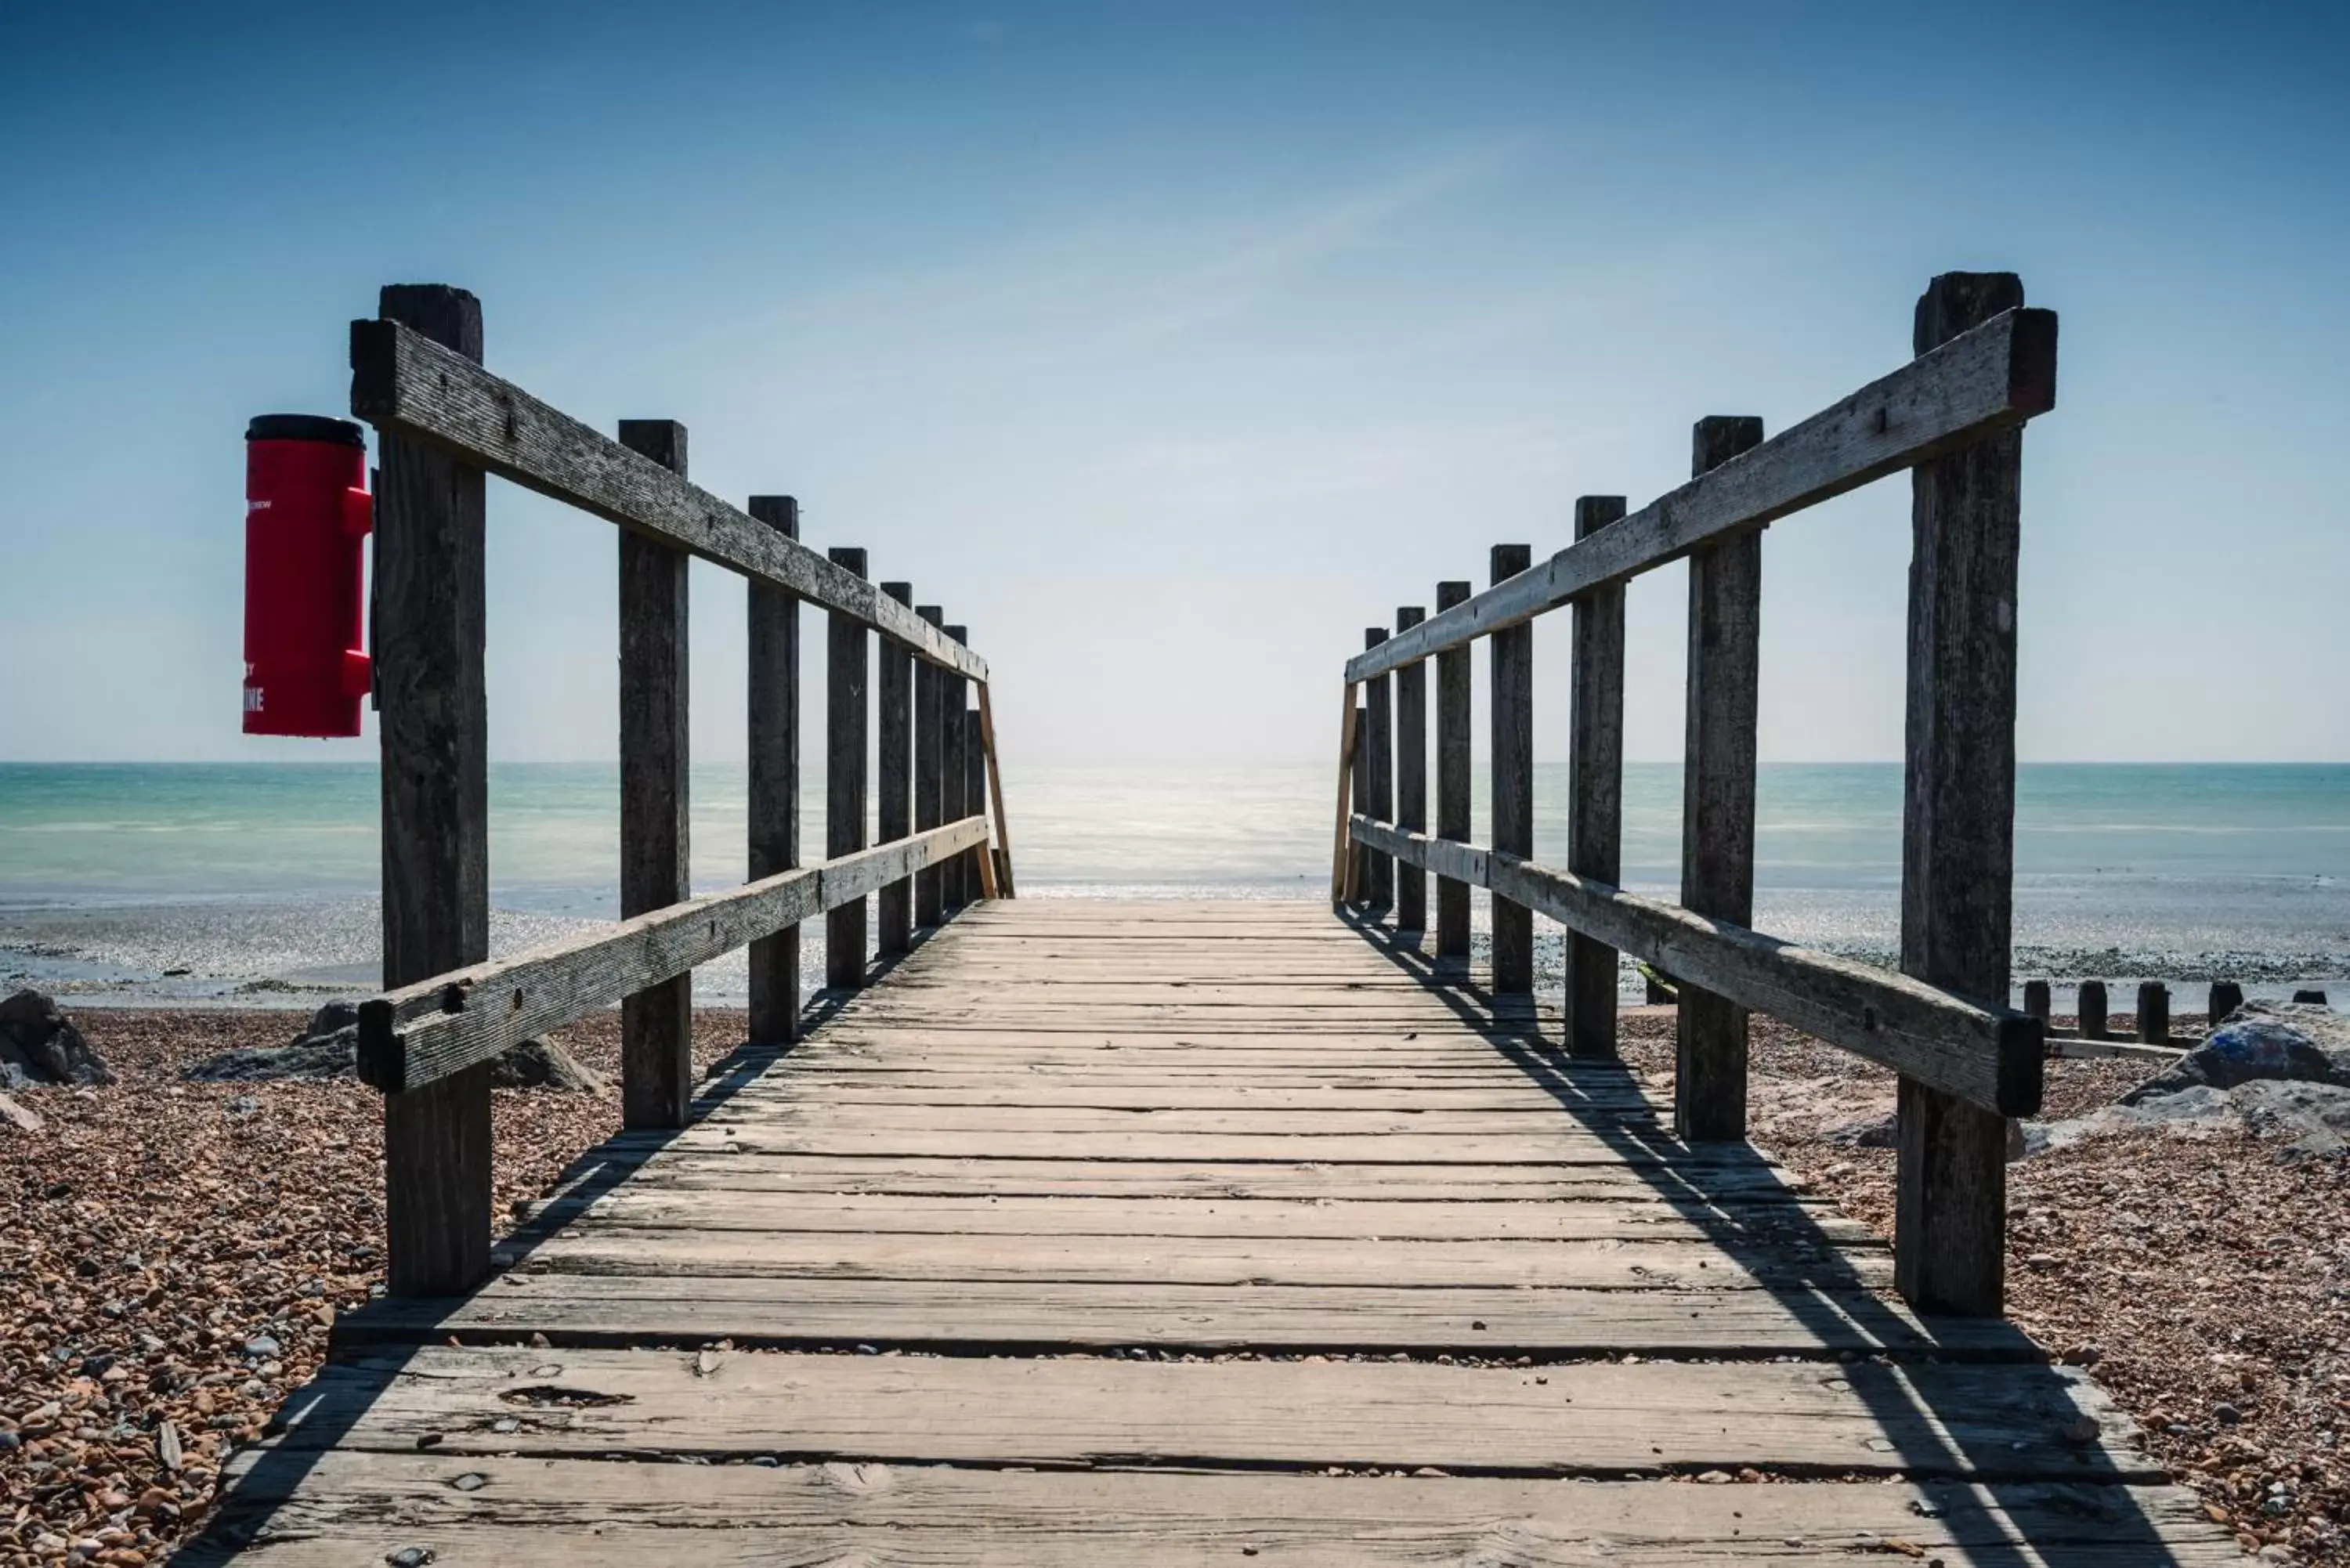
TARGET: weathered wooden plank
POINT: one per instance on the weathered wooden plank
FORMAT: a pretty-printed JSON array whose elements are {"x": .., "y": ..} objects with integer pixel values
[
  {"x": 1410, "y": 777},
  {"x": 1594, "y": 786},
  {"x": 954, "y": 781},
  {"x": 434, "y": 730},
  {"x": 1341, "y": 846},
  {"x": 1558, "y": 1145},
  {"x": 1595, "y": 1176},
  {"x": 1359, "y": 858},
  {"x": 1782, "y": 1223},
  {"x": 893, "y": 787},
  {"x": 1452, "y": 780},
  {"x": 656, "y": 816},
  {"x": 1987, "y": 1055},
  {"x": 1719, "y": 759},
  {"x": 1588, "y": 1417},
  {"x": 459, "y": 1017},
  {"x": 1978, "y": 384},
  {"x": 338, "y": 1509},
  {"x": 930, "y": 771},
  {"x": 774, "y": 778},
  {"x": 404, "y": 383},
  {"x": 1607, "y": 1265},
  {"x": 1007, "y": 885},
  {"x": 1510, "y": 707},
  {"x": 1378, "y": 779},
  {"x": 846, "y": 712},
  {"x": 979, "y": 868},
  {"x": 1957, "y": 820},
  {"x": 1080, "y": 1315}
]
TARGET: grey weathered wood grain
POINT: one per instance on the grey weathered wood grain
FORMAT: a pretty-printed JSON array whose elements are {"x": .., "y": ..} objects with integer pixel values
[
  {"x": 1452, "y": 777},
  {"x": 404, "y": 383},
  {"x": 847, "y": 670},
  {"x": 2092, "y": 1009},
  {"x": 333, "y": 1510},
  {"x": 1358, "y": 776},
  {"x": 656, "y": 1022},
  {"x": 434, "y": 730},
  {"x": 1512, "y": 711},
  {"x": 955, "y": 889},
  {"x": 1595, "y": 785},
  {"x": 1979, "y": 383},
  {"x": 1958, "y": 813},
  {"x": 1410, "y": 776},
  {"x": 1378, "y": 774},
  {"x": 893, "y": 790},
  {"x": 426, "y": 1031},
  {"x": 1988, "y": 1056},
  {"x": 1342, "y": 847},
  {"x": 929, "y": 771},
  {"x": 1002, "y": 850},
  {"x": 1581, "y": 1418},
  {"x": 1724, "y": 686},
  {"x": 979, "y": 871},
  {"x": 774, "y": 777}
]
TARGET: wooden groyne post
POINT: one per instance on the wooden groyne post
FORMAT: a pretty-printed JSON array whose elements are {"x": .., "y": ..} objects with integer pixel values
[
  {"x": 445, "y": 424},
  {"x": 1981, "y": 366}
]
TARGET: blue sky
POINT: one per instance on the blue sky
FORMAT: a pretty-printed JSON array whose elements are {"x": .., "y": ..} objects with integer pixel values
[{"x": 1170, "y": 345}]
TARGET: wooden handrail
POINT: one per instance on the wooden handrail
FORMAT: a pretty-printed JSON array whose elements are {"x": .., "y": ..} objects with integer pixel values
[
  {"x": 418, "y": 1033},
  {"x": 1990, "y": 1056},
  {"x": 404, "y": 382},
  {"x": 1991, "y": 378}
]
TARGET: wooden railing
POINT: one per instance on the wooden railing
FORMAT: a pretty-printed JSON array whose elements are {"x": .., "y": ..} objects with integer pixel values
[
  {"x": 1967, "y": 1061},
  {"x": 445, "y": 424}
]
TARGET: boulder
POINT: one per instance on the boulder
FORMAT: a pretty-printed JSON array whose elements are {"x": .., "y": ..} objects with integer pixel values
[
  {"x": 40, "y": 1046},
  {"x": 541, "y": 1065},
  {"x": 2294, "y": 1042},
  {"x": 328, "y": 1048}
]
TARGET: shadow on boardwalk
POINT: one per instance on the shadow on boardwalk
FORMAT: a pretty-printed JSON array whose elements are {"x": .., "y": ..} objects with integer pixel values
[{"x": 1804, "y": 1269}]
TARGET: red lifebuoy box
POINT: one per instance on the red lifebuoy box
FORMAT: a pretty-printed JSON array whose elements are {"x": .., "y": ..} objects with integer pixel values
[{"x": 306, "y": 518}]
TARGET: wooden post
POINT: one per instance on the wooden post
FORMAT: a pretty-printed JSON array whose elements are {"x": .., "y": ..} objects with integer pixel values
[
  {"x": 930, "y": 770},
  {"x": 2036, "y": 1001},
  {"x": 1378, "y": 778},
  {"x": 1002, "y": 855},
  {"x": 775, "y": 779},
  {"x": 2226, "y": 997},
  {"x": 1411, "y": 777},
  {"x": 954, "y": 882},
  {"x": 978, "y": 875},
  {"x": 1359, "y": 855},
  {"x": 1725, "y": 594},
  {"x": 1513, "y": 779},
  {"x": 1594, "y": 786},
  {"x": 1957, "y": 823},
  {"x": 430, "y": 628},
  {"x": 1341, "y": 889},
  {"x": 656, "y": 1024},
  {"x": 2092, "y": 1011},
  {"x": 845, "y": 674},
  {"x": 1453, "y": 776},
  {"x": 893, "y": 793},
  {"x": 2153, "y": 1012}
]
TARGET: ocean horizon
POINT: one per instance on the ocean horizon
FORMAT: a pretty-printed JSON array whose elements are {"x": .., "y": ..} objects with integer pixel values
[{"x": 256, "y": 884}]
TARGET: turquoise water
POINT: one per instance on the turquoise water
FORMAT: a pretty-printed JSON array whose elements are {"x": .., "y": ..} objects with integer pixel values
[{"x": 246, "y": 874}]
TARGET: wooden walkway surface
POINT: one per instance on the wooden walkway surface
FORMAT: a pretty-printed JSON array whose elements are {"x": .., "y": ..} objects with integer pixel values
[{"x": 1189, "y": 1232}]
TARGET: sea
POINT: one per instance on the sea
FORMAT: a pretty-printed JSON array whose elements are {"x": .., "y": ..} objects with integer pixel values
[{"x": 256, "y": 884}]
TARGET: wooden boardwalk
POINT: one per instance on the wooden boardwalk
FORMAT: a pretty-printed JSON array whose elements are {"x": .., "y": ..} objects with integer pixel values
[{"x": 1189, "y": 1232}]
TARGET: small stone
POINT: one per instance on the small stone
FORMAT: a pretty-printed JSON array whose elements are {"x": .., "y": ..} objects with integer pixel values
[
  {"x": 410, "y": 1557},
  {"x": 1714, "y": 1478},
  {"x": 261, "y": 1346},
  {"x": 472, "y": 1480},
  {"x": 2226, "y": 1414}
]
